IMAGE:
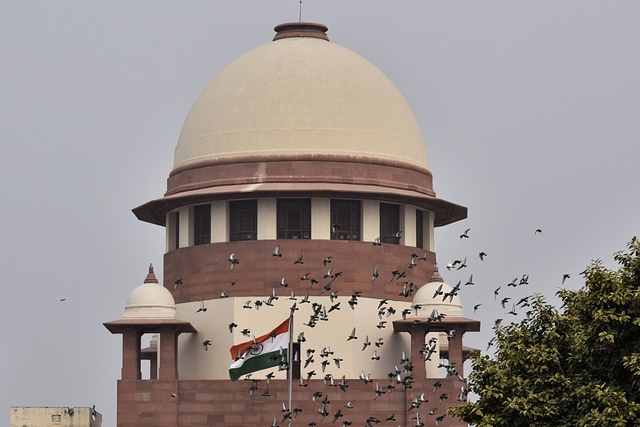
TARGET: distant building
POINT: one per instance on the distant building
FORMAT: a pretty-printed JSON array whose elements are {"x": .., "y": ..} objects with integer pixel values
[
  {"x": 303, "y": 146},
  {"x": 23, "y": 416}
]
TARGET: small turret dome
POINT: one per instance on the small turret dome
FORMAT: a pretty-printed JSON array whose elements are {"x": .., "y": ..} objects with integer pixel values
[
  {"x": 428, "y": 300},
  {"x": 150, "y": 301}
]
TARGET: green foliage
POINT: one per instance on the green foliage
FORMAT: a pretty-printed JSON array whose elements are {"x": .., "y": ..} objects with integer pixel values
[{"x": 576, "y": 367}]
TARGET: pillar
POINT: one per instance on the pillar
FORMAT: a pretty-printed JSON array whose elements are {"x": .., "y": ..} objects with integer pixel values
[{"x": 131, "y": 354}]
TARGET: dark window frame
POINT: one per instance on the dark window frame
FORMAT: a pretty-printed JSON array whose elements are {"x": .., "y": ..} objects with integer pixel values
[
  {"x": 243, "y": 220},
  {"x": 348, "y": 215},
  {"x": 389, "y": 223},
  {"x": 419, "y": 229},
  {"x": 202, "y": 224},
  {"x": 293, "y": 218}
]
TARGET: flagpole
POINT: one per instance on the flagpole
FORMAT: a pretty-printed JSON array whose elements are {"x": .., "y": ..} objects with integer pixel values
[{"x": 290, "y": 357}]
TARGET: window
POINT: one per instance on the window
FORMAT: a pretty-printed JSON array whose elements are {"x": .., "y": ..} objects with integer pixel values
[
  {"x": 389, "y": 223},
  {"x": 294, "y": 218},
  {"x": 202, "y": 224},
  {"x": 419, "y": 229},
  {"x": 243, "y": 220},
  {"x": 345, "y": 219},
  {"x": 176, "y": 230}
]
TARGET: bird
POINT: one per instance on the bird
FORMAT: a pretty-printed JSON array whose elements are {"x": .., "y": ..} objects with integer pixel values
[
  {"x": 366, "y": 343},
  {"x": 299, "y": 260},
  {"x": 397, "y": 235},
  {"x": 231, "y": 326},
  {"x": 495, "y": 293},
  {"x": 376, "y": 242},
  {"x": 379, "y": 342},
  {"x": 380, "y": 325},
  {"x": 233, "y": 260},
  {"x": 327, "y": 260},
  {"x": 276, "y": 251},
  {"x": 334, "y": 228},
  {"x": 475, "y": 308},
  {"x": 374, "y": 276},
  {"x": 565, "y": 277},
  {"x": 482, "y": 255},
  {"x": 337, "y": 415},
  {"x": 470, "y": 281},
  {"x": 176, "y": 284},
  {"x": 538, "y": 230},
  {"x": 438, "y": 291},
  {"x": 465, "y": 235},
  {"x": 202, "y": 307},
  {"x": 206, "y": 344},
  {"x": 245, "y": 332},
  {"x": 175, "y": 396},
  {"x": 352, "y": 336},
  {"x": 283, "y": 282},
  {"x": 463, "y": 264}
]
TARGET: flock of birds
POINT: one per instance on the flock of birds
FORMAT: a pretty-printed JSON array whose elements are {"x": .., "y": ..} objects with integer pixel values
[{"x": 400, "y": 376}]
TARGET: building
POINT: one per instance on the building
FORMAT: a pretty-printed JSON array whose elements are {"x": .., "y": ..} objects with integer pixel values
[
  {"x": 22, "y": 416},
  {"x": 300, "y": 173}
]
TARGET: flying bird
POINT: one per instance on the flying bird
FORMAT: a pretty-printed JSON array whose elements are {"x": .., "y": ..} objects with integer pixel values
[
  {"x": 538, "y": 230},
  {"x": 276, "y": 251},
  {"x": 202, "y": 307},
  {"x": 482, "y": 255},
  {"x": 233, "y": 260},
  {"x": 176, "y": 284},
  {"x": 465, "y": 235},
  {"x": 206, "y": 344},
  {"x": 299, "y": 261},
  {"x": 327, "y": 260},
  {"x": 565, "y": 277},
  {"x": 376, "y": 242}
]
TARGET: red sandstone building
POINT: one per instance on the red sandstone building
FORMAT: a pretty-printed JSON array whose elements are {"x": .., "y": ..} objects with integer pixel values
[{"x": 305, "y": 145}]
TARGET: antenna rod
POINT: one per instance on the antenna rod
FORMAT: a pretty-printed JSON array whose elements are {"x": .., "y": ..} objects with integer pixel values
[{"x": 300, "y": 13}]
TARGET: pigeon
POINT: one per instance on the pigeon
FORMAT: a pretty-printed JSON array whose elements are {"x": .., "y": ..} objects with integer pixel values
[
  {"x": 231, "y": 326},
  {"x": 176, "y": 284},
  {"x": 538, "y": 230},
  {"x": 465, "y": 235},
  {"x": 202, "y": 307},
  {"x": 565, "y": 277},
  {"x": 376, "y": 242},
  {"x": 352, "y": 336},
  {"x": 233, "y": 260},
  {"x": 482, "y": 255},
  {"x": 206, "y": 344},
  {"x": 299, "y": 261},
  {"x": 175, "y": 396},
  {"x": 276, "y": 251},
  {"x": 327, "y": 260}
]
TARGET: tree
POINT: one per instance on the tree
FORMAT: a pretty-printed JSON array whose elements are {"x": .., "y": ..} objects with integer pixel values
[{"x": 577, "y": 366}]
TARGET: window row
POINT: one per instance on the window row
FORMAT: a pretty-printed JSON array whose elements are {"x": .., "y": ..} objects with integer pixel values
[{"x": 293, "y": 221}]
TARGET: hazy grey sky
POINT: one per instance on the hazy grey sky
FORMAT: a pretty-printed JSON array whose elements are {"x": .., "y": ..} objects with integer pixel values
[{"x": 530, "y": 112}]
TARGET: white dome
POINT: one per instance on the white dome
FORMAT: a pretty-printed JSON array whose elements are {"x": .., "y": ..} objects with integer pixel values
[
  {"x": 150, "y": 301},
  {"x": 428, "y": 301},
  {"x": 300, "y": 96}
]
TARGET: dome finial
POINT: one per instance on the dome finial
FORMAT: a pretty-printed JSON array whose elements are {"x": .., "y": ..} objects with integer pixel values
[
  {"x": 151, "y": 278},
  {"x": 301, "y": 29},
  {"x": 436, "y": 277}
]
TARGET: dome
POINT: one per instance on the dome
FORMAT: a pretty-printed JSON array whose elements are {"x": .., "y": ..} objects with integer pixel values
[
  {"x": 150, "y": 301},
  {"x": 428, "y": 301},
  {"x": 300, "y": 95}
]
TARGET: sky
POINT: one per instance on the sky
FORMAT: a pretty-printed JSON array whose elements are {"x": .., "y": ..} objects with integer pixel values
[{"x": 530, "y": 112}]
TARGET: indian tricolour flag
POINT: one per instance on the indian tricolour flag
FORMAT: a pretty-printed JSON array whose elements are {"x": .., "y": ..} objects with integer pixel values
[{"x": 262, "y": 354}]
